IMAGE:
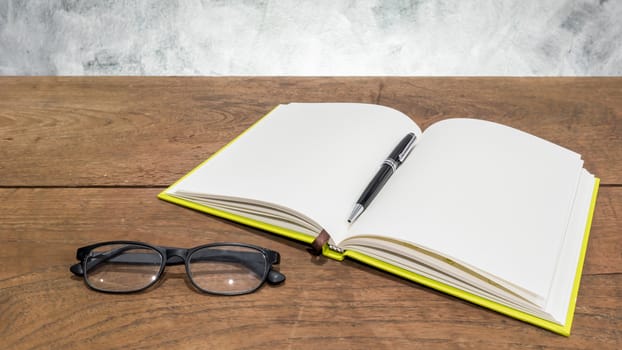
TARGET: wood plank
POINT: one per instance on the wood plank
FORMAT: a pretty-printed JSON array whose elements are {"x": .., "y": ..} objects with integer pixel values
[
  {"x": 604, "y": 251},
  {"x": 148, "y": 131},
  {"x": 110, "y": 131},
  {"x": 324, "y": 303}
]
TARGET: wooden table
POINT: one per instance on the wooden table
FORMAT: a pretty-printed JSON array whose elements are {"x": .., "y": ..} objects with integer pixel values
[{"x": 82, "y": 159}]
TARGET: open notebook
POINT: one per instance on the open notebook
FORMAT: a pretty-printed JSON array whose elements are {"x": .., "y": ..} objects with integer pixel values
[{"x": 481, "y": 211}]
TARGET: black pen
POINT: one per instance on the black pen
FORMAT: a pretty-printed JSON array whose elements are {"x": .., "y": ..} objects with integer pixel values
[{"x": 388, "y": 167}]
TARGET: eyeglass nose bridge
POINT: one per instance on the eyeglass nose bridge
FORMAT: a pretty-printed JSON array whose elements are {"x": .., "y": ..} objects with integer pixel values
[{"x": 176, "y": 256}]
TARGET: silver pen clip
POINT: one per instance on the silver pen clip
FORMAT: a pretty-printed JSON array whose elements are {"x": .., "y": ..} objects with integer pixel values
[{"x": 407, "y": 149}]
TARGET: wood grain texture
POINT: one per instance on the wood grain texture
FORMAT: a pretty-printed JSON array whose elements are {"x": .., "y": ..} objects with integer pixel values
[
  {"x": 150, "y": 131},
  {"x": 82, "y": 160}
]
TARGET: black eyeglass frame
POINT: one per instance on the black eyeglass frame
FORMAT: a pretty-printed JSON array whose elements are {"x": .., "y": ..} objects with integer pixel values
[{"x": 171, "y": 256}]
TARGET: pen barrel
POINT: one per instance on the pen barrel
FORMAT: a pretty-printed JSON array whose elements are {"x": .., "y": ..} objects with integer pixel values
[{"x": 375, "y": 185}]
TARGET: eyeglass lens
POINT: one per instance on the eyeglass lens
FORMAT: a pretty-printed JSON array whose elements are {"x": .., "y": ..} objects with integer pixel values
[
  {"x": 122, "y": 267},
  {"x": 227, "y": 269}
]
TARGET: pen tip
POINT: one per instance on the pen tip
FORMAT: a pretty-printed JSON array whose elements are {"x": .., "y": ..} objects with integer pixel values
[{"x": 356, "y": 212}]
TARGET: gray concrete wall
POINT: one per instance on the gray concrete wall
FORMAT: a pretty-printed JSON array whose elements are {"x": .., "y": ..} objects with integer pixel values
[{"x": 289, "y": 37}]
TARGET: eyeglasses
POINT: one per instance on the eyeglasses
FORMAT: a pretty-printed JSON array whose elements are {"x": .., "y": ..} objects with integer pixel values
[{"x": 219, "y": 268}]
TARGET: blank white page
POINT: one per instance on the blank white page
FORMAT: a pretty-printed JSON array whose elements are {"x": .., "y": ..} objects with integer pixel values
[
  {"x": 565, "y": 277},
  {"x": 483, "y": 194},
  {"x": 313, "y": 158}
]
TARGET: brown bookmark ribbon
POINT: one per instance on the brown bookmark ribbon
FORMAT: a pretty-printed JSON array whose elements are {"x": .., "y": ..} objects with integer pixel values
[{"x": 318, "y": 243}]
